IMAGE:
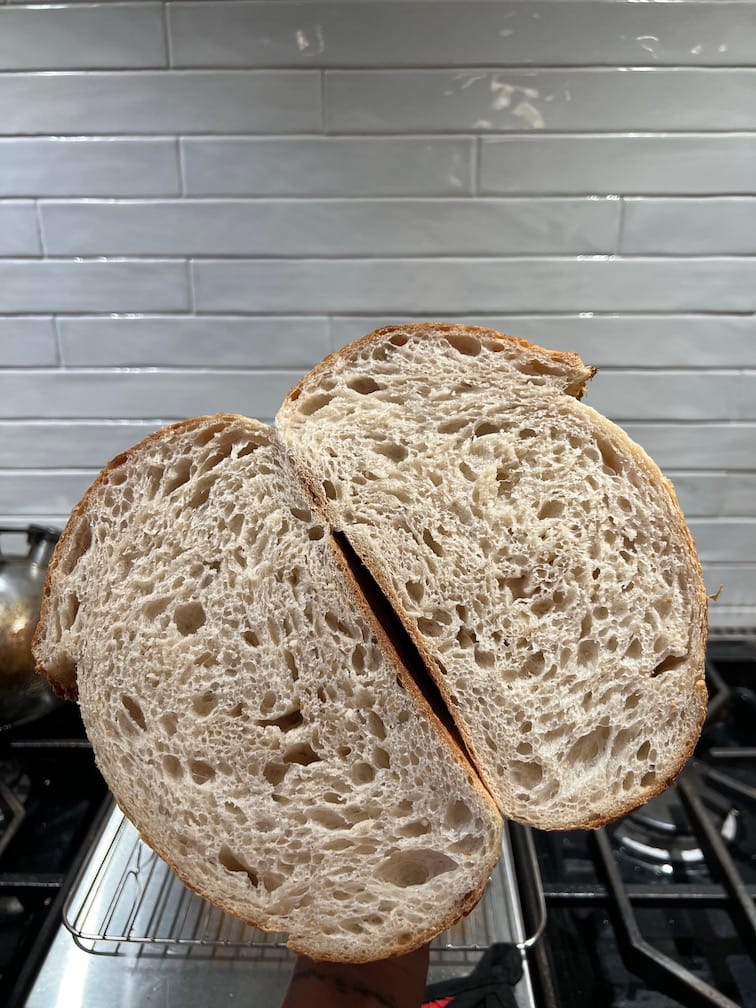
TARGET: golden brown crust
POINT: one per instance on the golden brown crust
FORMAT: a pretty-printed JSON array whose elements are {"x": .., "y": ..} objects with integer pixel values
[{"x": 428, "y": 330}]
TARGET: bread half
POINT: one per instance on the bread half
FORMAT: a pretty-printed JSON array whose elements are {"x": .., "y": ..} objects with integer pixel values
[
  {"x": 247, "y": 711},
  {"x": 535, "y": 554}
]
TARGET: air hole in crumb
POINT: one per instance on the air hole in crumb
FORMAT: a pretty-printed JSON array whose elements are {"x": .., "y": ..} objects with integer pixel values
[
  {"x": 587, "y": 653},
  {"x": 517, "y": 587},
  {"x": 169, "y": 723},
  {"x": 375, "y": 725},
  {"x": 314, "y": 403},
  {"x": 458, "y": 814},
  {"x": 485, "y": 427},
  {"x": 470, "y": 475},
  {"x": 588, "y": 747},
  {"x": 80, "y": 542},
  {"x": 464, "y": 343},
  {"x": 414, "y": 867},
  {"x": 391, "y": 450},
  {"x": 399, "y": 339},
  {"x": 301, "y": 753},
  {"x": 363, "y": 384},
  {"x": 416, "y": 590},
  {"x": 284, "y": 722},
  {"x": 291, "y": 664},
  {"x": 634, "y": 650},
  {"x": 329, "y": 818},
  {"x": 610, "y": 457},
  {"x": 551, "y": 509},
  {"x": 429, "y": 541},
  {"x": 526, "y": 433},
  {"x": 330, "y": 490},
  {"x": 69, "y": 610},
  {"x": 429, "y": 627},
  {"x": 154, "y": 607},
  {"x": 201, "y": 492},
  {"x": 381, "y": 758},
  {"x": 240, "y": 815},
  {"x": 275, "y": 772},
  {"x": 189, "y": 617},
  {"x": 232, "y": 863},
  {"x": 134, "y": 711},
  {"x": 362, "y": 773},
  {"x": 484, "y": 659},
  {"x": 315, "y": 532},
  {"x": 526, "y": 773},
  {"x": 670, "y": 664},
  {"x": 251, "y": 638},
  {"x": 204, "y": 703},
  {"x": 201, "y": 771},
  {"x": 648, "y": 778},
  {"x": 643, "y": 751},
  {"x": 177, "y": 476},
  {"x": 302, "y": 514},
  {"x": 172, "y": 767}
]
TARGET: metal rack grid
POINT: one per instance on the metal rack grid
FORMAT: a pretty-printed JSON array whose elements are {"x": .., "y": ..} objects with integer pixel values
[{"x": 126, "y": 896}]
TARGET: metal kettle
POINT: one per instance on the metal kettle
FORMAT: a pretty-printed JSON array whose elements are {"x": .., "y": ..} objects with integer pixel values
[{"x": 23, "y": 694}]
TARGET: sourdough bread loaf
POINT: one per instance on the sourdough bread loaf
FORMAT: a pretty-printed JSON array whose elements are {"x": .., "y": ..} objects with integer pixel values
[
  {"x": 247, "y": 712},
  {"x": 318, "y": 665},
  {"x": 535, "y": 554}
]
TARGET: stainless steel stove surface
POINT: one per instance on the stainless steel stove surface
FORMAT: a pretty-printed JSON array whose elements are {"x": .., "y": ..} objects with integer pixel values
[{"x": 657, "y": 909}]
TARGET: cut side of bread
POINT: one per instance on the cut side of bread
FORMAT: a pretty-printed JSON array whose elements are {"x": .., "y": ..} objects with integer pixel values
[
  {"x": 536, "y": 556},
  {"x": 249, "y": 713}
]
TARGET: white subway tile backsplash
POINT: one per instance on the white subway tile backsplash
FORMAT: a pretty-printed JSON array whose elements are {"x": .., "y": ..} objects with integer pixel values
[
  {"x": 139, "y": 395},
  {"x": 676, "y": 445},
  {"x": 107, "y": 166},
  {"x": 331, "y": 228},
  {"x": 97, "y": 286},
  {"x": 721, "y": 539},
  {"x": 674, "y": 164},
  {"x": 675, "y": 395},
  {"x": 328, "y": 166},
  {"x": 42, "y": 493},
  {"x": 709, "y": 226},
  {"x": 27, "y": 342},
  {"x": 628, "y": 98},
  {"x": 72, "y": 444},
  {"x": 464, "y": 33},
  {"x": 716, "y": 493},
  {"x": 18, "y": 229},
  {"x": 160, "y": 102},
  {"x": 737, "y": 581},
  {"x": 629, "y": 341},
  {"x": 160, "y": 341},
  {"x": 100, "y": 35},
  {"x": 460, "y": 286}
]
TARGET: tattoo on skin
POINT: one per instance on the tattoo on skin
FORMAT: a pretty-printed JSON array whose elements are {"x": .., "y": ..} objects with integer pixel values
[{"x": 343, "y": 987}]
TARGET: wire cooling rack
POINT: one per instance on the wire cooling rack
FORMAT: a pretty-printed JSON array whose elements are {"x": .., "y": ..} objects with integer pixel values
[{"x": 126, "y": 896}]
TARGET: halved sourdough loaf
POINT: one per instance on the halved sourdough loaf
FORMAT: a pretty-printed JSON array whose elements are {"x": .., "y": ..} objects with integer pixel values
[
  {"x": 248, "y": 713},
  {"x": 249, "y": 710},
  {"x": 536, "y": 555}
]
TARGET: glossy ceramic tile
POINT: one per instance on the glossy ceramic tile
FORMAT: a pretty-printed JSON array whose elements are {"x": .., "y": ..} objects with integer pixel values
[
  {"x": 329, "y": 166},
  {"x": 331, "y": 228}
]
